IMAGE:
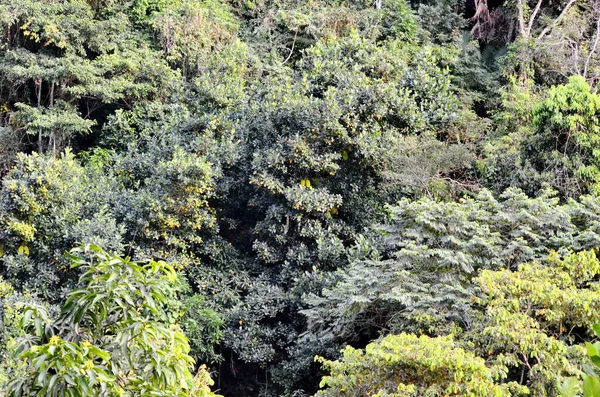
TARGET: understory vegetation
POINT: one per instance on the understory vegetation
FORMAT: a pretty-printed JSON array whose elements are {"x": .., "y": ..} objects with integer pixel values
[{"x": 261, "y": 198}]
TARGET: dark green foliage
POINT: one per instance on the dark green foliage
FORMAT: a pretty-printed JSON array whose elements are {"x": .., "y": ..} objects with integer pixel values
[{"x": 46, "y": 207}]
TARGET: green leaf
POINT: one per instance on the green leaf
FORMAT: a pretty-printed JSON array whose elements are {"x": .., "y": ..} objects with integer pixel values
[
  {"x": 569, "y": 388},
  {"x": 591, "y": 349},
  {"x": 591, "y": 386},
  {"x": 596, "y": 328}
]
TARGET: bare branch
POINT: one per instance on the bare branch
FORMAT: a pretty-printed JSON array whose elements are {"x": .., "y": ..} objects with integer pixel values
[
  {"x": 292, "y": 50},
  {"x": 533, "y": 15},
  {"x": 587, "y": 61},
  {"x": 557, "y": 20}
]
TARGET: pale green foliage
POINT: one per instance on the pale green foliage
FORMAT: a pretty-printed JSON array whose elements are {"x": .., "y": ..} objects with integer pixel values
[
  {"x": 61, "y": 120},
  {"x": 174, "y": 202},
  {"x": 504, "y": 164},
  {"x": 203, "y": 327},
  {"x": 546, "y": 138},
  {"x": 143, "y": 10},
  {"x": 431, "y": 252},
  {"x": 406, "y": 365},
  {"x": 13, "y": 307},
  {"x": 48, "y": 205},
  {"x": 192, "y": 30},
  {"x": 532, "y": 317},
  {"x": 11, "y": 311},
  {"x": 282, "y": 28},
  {"x": 114, "y": 337},
  {"x": 525, "y": 324},
  {"x": 423, "y": 165}
]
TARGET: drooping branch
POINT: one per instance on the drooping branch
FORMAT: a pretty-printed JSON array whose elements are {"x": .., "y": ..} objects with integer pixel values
[
  {"x": 292, "y": 49},
  {"x": 482, "y": 18}
]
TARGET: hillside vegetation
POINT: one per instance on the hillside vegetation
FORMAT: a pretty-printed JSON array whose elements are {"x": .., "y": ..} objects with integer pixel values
[{"x": 330, "y": 198}]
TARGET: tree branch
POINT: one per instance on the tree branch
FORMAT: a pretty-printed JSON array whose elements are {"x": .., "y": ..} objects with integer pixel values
[
  {"x": 521, "y": 18},
  {"x": 533, "y": 15},
  {"x": 292, "y": 50},
  {"x": 557, "y": 20},
  {"x": 587, "y": 61}
]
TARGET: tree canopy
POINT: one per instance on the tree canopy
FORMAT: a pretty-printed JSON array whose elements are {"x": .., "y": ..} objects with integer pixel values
[{"x": 202, "y": 196}]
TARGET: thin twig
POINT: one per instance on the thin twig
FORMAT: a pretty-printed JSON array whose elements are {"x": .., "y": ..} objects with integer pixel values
[{"x": 292, "y": 50}]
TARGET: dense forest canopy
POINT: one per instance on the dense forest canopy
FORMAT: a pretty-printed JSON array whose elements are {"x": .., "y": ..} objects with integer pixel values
[{"x": 260, "y": 198}]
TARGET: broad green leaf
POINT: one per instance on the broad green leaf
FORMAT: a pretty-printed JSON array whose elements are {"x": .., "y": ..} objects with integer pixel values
[{"x": 591, "y": 386}]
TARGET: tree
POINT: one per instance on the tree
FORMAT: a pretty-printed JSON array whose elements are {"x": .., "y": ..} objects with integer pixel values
[
  {"x": 534, "y": 317},
  {"x": 115, "y": 336},
  {"x": 419, "y": 276},
  {"x": 190, "y": 31},
  {"x": 47, "y": 205},
  {"x": 407, "y": 365},
  {"x": 567, "y": 133},
  {"x": 63, "y": 63},
  {"x": 525, "y": 324},
  {"x": 12, "y": 305},
  {"x": 546, "y": 137}
]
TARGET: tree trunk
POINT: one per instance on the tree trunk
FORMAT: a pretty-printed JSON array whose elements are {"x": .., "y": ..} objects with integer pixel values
[
  {"x": 38, "y": 93},
  {"x": 52, "y": 133}
]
